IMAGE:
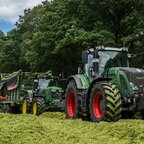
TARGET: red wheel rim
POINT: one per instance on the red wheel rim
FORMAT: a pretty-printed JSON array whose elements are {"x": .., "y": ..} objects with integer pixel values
[
  {"x": 96, "y": 105},
  {"x": 71, "y": 104}
]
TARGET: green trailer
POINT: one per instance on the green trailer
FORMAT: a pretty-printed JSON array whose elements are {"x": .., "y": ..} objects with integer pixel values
[{"x": 12, "y": 90}]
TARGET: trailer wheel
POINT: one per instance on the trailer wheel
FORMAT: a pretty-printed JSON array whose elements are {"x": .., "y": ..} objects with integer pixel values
[
  {"x": 38, "y": 106},
  {"x": 71, "y": 105},
  {"x": 26, "y": 105},
  {"x": 6, "y": 108},
  {"x": 105, "y": 102}
]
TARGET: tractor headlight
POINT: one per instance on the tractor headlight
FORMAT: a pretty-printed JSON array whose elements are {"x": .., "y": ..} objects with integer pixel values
[
  {"x": 133, "y": 86},
  {"x": 55, "y": 93}
]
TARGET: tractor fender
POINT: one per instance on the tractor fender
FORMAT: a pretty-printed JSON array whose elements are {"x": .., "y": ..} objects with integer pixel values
[
  {"x": 78, "y": 81},
  {"x": 95, "y": 81}
]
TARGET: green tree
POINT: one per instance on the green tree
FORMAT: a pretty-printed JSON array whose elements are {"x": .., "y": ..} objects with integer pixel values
[{"x": 53, "y": 34}]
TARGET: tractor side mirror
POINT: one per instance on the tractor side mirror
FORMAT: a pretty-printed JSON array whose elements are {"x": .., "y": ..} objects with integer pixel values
[
  {"x": 36, "y": 85},
  {"x": 84, "y": 57},
  {"x": 79, "y": 70}
]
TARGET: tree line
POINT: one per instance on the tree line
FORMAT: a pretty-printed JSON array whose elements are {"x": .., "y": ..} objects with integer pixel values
[{"x": 52, "y": 35}]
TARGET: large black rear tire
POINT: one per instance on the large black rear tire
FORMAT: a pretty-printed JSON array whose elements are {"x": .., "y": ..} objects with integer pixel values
[
  {"x": 38, "y": 106},
  {"x": 105, "y": 102},
  {"x": 71, "y": 101}
]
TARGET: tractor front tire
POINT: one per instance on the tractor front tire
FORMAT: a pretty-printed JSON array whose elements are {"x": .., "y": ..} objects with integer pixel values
[
  {"x": 105, "y": 102},
  {"x": 26, "y": 105},
  {"x": 71, "y": 101},
  {"x": 38, "y": 106}
]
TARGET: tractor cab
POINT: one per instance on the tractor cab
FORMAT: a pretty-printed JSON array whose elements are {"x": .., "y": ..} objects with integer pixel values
[
  {"x": 99, "y": 60},
  {"x": 42, "y": 83}
]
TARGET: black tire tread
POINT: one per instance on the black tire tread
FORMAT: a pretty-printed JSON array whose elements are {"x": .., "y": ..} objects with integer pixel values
[
  {"x": 114, "y": 106},
  {"x": 112, "y": 101},
  {"x": 41, "y": 105}
]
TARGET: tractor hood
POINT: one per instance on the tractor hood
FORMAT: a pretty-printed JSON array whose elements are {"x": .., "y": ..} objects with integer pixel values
[{"x": 135, "y": 75}]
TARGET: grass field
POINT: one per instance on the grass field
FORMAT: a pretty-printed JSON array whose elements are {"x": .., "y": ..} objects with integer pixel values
[{"x": 53, "y": 128}]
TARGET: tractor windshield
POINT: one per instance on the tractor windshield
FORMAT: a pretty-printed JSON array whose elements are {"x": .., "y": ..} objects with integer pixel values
[
  {"x": 108, "y": 59},
  {"x": 43, "y": 83}
]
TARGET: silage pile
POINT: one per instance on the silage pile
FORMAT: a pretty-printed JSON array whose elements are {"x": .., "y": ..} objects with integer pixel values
[{"x": 55, "y": 129}]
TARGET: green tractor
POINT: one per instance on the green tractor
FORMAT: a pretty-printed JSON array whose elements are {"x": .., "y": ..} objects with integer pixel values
[
  {"x": 107, "y": 89},
  {"x": 46, "y": 95}
]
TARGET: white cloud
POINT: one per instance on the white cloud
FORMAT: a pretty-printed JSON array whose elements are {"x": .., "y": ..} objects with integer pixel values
[{"x": 11, "y": 9}]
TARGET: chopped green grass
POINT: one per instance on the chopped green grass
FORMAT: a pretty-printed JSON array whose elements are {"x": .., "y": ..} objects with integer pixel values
[{"x": 53, "y": 128}]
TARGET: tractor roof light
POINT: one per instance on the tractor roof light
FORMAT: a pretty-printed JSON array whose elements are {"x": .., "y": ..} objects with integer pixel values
[
  {"x": 124, "y": 49},
  {"x": 103, "y": 48}
]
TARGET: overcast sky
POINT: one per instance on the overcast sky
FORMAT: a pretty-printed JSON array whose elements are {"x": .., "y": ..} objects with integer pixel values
[{"x": 11, "y": 9}]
